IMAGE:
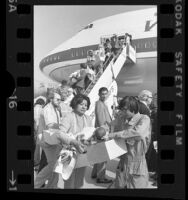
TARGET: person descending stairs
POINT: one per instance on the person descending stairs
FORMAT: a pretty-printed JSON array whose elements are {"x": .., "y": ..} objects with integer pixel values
[{"x": 111, "y": 68}]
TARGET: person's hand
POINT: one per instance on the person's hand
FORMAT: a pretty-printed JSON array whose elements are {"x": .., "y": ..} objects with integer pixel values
[
  {"x": 86, "y": 142},
  {"x": 78, "y": 145},
  {"x": 111, "y": 136},
  {"x": 80, "y": 137},
  {"x": 106, "y": 138}
]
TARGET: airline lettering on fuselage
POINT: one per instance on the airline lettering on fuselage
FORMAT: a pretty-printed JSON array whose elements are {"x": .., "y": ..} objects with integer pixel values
[{"x": 149, "y": 26}]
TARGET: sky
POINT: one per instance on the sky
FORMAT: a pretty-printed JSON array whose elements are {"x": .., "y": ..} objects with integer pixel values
[{"x": 55, "y": 24}]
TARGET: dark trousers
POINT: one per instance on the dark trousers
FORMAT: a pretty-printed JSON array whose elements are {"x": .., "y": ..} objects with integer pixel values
[
  {"x": 99, "y": 170},
  {"x": 151, "y": 158},
  {"x": 43, "y": 161}
]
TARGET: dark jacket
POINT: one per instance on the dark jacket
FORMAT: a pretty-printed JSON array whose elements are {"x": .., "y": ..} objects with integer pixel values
[{"x": 143, "y": 109}]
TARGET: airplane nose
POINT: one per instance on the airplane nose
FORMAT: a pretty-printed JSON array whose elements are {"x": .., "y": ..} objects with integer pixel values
[{"x": 64, "y": 72}]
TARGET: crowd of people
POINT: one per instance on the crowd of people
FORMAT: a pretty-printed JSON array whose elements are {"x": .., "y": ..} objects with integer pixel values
[
  {"x": 135, "y": 123},
  {"x": 97, "y": 61},
  {"x": 63, "y": 110}
]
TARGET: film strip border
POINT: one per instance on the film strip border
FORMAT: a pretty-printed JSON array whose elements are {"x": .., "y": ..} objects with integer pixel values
[
  {"x": 171, "y": 149},
  {"x": 171, "y": 99}
]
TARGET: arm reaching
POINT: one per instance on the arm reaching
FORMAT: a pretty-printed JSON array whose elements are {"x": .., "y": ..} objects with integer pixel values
[
  {"x": 78, "y": 145},
  {"x": 140, "y": 131},
  {"x": 126, "y": 134}
]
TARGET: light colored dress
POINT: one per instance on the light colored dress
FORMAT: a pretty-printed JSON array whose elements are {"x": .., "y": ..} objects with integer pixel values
[
  {"x": 132, "y": 171},
  {"x": 65, "y": 108},
  {"x": 70, "y": 124},
  {"x": 74, "y": 123}
]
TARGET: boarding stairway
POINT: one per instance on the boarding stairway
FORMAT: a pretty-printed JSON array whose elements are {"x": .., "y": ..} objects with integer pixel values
[{"x": 112, "y": 67}]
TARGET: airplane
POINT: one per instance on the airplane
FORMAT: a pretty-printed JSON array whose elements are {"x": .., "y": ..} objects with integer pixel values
[
  {"x": 133, "y": 77},
  {"x": 40, "y": 87}
]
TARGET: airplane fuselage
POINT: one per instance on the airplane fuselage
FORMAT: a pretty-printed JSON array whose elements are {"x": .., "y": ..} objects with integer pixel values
[{"x": 142, "y": 25}]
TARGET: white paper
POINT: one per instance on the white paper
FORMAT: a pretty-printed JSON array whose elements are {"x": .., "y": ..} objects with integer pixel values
[
  {"x": 102, "y": 152},
  {"x": 116, "y": 148}
]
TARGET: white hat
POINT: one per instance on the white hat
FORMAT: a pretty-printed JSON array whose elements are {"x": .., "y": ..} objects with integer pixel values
[{"x": 63, "y": 168}]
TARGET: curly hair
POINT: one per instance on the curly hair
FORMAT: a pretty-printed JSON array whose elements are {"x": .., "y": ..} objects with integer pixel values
[{"x": 78, "y": 99}]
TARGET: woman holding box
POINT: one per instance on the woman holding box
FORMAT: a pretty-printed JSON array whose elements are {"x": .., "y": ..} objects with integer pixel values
[{"x": 72, "y": 124}]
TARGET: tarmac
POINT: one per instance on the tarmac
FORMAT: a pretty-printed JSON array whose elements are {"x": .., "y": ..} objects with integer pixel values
[{"x": 90, "y": 183}]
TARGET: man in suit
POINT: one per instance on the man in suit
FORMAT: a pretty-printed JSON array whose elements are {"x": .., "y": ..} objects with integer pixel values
[
  {"x": 145, "y": 99},
  {"x": 152, "y": 164},
  {"x": 103, "y": 118}
]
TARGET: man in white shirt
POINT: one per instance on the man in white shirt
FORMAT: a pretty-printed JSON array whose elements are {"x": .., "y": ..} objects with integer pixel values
[
  {"x": 52, "y": 113},
  {"x": 38, "y": 109},
  {"x": 52, "y": 116},
  {"x": 38, "y": 106},
  {"x": 49, "y": 118},
  {"x": 102, "y": 118}
]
